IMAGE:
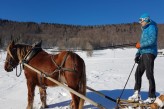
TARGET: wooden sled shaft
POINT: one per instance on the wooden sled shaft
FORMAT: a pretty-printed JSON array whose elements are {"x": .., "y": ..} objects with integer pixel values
[{"x": 68, "y": 88}]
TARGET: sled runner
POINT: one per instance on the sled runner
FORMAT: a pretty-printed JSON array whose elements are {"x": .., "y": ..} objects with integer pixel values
[{"x": 129, "y": 104}]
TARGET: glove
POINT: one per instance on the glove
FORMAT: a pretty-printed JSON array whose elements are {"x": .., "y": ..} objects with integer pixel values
[
  {"x": 137, "y": 59},
  {"x": 138, "y": 45}
]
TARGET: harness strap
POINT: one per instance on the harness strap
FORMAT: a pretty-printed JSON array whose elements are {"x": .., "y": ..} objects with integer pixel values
[
  {"x": 60, "y": 68},
  {"x": 65, "y": 57},
  {"x": 69, "y": 69},
  {"x": 54, "y": 61}
]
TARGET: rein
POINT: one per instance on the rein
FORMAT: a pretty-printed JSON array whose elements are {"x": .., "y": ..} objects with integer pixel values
[{"x": 18, "y": 75}]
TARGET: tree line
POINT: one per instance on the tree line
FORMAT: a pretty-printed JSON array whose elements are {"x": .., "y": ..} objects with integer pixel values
[{"x": 72, "y": 36}]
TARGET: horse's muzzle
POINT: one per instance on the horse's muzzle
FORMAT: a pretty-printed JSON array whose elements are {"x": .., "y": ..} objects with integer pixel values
[{"x": 9, "y": 68}]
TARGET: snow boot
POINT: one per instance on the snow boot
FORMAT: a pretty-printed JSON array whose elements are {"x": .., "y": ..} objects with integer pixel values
[{"x": 135, "y": 97}]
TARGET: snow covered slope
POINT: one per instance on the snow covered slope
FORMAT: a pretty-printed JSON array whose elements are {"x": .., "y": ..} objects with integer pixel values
[{"x": 107, "y": 72}]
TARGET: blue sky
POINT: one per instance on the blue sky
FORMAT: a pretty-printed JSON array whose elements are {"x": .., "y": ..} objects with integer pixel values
[{"x": 81, "y": 12}]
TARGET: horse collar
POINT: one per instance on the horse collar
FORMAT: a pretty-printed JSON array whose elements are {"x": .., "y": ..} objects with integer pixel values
[{"x": 34, "y": 51}]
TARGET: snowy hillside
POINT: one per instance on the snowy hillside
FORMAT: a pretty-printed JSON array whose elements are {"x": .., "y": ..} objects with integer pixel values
[{"x": 107, "y": 72}]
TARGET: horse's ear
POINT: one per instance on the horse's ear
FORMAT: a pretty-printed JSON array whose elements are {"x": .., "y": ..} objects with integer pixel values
[
  {"x": 10, "y": 47},
  {"x": 12, "y": 43}
]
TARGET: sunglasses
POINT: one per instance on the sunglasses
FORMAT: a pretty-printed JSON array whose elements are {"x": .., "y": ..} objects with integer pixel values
[{"x": 143, "y": 19}]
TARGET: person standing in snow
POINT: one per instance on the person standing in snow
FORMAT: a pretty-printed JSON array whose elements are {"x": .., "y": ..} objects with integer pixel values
[{"x": 145, "y": 56}]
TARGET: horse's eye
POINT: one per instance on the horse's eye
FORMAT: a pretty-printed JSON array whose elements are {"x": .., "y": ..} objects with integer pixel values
[
  {"x": 9, "y": 62},
  {"x": 13, "y": 49}
]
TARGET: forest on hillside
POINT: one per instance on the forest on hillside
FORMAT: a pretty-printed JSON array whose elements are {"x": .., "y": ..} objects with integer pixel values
[{"x": 72, "y": 36}]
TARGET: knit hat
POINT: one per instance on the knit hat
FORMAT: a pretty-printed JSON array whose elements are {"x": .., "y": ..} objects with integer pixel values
[{"x": 144, "y": 17}]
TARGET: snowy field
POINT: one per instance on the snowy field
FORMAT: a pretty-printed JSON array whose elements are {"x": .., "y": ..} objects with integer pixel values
[{"x": 107, "y": 72}]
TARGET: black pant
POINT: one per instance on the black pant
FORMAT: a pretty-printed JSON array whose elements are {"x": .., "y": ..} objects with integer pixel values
[{"x": 146, "y": 63}]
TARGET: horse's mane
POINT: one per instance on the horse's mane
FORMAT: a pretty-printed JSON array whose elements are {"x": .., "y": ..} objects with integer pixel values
[{"x": 22, "y": 50}]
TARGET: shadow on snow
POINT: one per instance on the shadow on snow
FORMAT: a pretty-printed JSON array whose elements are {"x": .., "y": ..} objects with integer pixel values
[{"x": 103, "y": 101}]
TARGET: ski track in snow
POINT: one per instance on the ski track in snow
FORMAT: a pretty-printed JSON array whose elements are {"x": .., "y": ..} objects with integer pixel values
[{"x": 107, "y": 72}]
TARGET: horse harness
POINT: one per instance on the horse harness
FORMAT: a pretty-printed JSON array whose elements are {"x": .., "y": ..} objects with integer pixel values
[
  {"x": 59, "y": 68},
  {"x": 34, "y": 51},
  {"x": 36, "y": 48}
]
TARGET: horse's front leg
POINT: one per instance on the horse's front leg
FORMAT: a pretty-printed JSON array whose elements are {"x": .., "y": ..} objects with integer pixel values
[
  {"x": 31, "y": 89},
  {"x": 43, "y": 97}
]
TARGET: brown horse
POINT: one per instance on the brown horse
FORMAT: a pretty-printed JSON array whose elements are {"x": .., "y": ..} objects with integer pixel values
[{"x": 72, "y": 72}]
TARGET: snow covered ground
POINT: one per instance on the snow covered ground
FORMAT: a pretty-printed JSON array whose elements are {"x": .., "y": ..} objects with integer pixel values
[{"x": 107, "y": 72}]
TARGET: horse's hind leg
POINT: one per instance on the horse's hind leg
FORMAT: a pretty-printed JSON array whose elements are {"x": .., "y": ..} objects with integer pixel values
[
  {"x": 43, "y": 97},
  {"x": 72, "y": 83},
  {"x": 75, "y": 101},
  {"x": 31, "y": 89}
]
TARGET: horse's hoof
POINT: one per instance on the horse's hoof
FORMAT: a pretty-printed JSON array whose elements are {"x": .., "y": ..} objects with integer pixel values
[
  {"x": 29, "y": 107},
  {"x": 43, "y": 107},
  {"x": 69, "y": 107}
]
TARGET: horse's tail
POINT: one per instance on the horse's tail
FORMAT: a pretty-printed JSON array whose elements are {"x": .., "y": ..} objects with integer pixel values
[{"x": 82, "y": 86}]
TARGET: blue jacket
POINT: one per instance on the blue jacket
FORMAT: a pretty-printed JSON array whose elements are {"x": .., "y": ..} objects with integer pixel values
[{"x": 148, "y": 40}]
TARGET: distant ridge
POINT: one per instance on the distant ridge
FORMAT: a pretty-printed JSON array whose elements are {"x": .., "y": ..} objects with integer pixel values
[{"x": 67, "y": 36}]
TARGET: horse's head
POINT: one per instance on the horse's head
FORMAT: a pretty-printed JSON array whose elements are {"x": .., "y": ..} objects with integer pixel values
[{"x": 11, "y": 59}]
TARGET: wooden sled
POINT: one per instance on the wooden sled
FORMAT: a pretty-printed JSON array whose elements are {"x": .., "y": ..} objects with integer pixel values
[{"x": 129, "y": 104}]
